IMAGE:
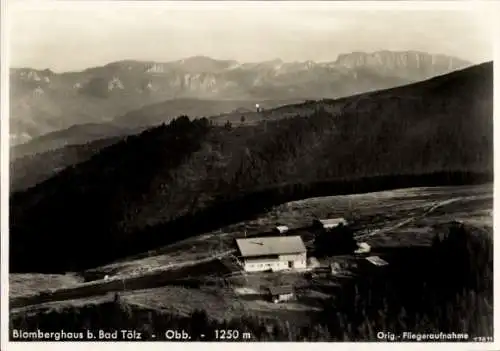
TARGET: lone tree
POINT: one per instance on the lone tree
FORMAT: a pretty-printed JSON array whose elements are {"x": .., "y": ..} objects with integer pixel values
[{"x": 242, "y": 119}]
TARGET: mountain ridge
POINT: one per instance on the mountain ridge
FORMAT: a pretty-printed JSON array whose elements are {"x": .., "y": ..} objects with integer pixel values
[
  {"x": 342, "y": 58},
  {"x": 43, "y": 101}
]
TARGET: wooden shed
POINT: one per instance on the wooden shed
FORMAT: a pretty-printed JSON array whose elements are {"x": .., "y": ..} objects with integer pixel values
[
  {"x": 281, "y": 293},
  {"x": 377, "y": 261},
  {"x": 329, "y": 223},
  {"x": 281, "y": 229}
]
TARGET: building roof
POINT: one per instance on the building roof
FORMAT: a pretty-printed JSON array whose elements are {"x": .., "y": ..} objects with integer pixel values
[
  {"x": 377, "y": 261},
  {"x": 271, "y": 245},
  {"x": 332, "y": 222},
  {"x": 282, "y": 228},
  {"x": 363, "y": 248},
  {"x": 283, "y": 289}
]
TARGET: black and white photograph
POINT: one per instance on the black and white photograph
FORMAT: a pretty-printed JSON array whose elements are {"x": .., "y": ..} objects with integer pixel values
[{"x": 249, "y": 172}]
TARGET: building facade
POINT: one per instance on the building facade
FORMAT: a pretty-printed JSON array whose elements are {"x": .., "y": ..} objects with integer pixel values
[{"x": 272, "y": 253}]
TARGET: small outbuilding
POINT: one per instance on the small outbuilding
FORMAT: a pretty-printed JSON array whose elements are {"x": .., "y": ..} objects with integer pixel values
[
  {"x": 329, "y": 223},
  {"x": 281, "y": 229},
  {"x": 377, "y": 261},
  {"x": 363, "y": 248},
  {"x": 335, "y": 268},
  {"x": 281, "y": 293}
]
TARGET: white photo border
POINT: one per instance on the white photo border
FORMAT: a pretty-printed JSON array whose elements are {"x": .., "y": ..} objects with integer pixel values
[{"x": 488, "y": 9}]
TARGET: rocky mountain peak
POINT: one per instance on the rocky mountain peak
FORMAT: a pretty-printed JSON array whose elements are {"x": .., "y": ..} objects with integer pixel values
[{"x": 427, "y": 63}]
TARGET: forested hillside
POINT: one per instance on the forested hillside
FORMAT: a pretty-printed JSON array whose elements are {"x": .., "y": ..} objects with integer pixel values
[{"x": 158, "y": 186}]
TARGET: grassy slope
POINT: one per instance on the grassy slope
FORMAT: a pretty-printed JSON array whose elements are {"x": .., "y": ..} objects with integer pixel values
[
  {"x": 109, "y": 202},
  {"x": 450, "y": 291},
  {"x": 376, "y": 214},
  {"x": 155, "y": 114}
]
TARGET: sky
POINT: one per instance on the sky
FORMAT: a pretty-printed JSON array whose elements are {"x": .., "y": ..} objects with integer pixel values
[{"x": 68, "y": 37}]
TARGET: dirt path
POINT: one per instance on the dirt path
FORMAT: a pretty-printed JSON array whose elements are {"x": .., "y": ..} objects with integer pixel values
[
  {"x": 142, "y": 280},
  {"x": 424, "y": 214}
]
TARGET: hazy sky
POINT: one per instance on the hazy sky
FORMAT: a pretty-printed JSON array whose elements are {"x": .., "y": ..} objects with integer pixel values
[{"x": 66, "y": 37}]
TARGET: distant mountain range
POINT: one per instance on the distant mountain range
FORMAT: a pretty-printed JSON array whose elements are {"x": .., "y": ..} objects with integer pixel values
[
  {"x": 186, "y": 177},
  {"x": 43, "y": 101}
]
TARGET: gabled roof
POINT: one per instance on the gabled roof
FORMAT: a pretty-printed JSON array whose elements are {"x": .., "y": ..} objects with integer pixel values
[
  {"x": 282, "y": 228},
  {"x": 272, "y": 245},
  {"x": 283, "y": 289},
  {"x": 332, "y": 222},
  {"x": 377, "y": 261}
]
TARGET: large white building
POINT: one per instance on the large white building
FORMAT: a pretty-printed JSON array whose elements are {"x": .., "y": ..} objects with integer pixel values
[{"x": 272, "y": 253}]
